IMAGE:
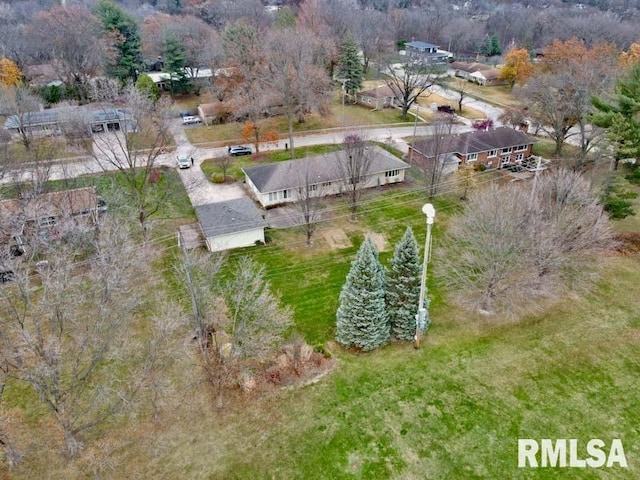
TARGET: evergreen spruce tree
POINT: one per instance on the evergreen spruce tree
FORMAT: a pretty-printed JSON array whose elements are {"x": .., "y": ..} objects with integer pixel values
[
  {"x": 491, "y": 46},
  {"x": 350, "y": 67},
  {"x": 174, "y": 63},
  {"x": 124, "y": 31},
  {"x": 403, "y": 287},
  {"x": 362, "y": 319}
]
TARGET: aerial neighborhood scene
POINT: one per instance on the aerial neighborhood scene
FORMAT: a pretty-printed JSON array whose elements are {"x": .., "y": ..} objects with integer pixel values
[{"x": 319, "y": 239}]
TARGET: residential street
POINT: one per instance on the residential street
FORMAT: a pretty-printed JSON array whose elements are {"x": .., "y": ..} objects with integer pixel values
[{"x": 199, "y": 188}]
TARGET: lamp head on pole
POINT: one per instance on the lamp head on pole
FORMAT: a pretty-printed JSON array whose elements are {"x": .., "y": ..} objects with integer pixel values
[{"x": 430, "y": 212}]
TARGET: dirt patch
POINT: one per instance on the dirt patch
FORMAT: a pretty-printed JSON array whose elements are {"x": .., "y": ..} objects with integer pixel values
[
  {"x": 336, "y": 238},
  {"x": 378, "y": 240}
]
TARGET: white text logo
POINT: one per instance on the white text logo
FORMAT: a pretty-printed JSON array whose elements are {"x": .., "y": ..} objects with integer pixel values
[{"x": 564, "y": 452}]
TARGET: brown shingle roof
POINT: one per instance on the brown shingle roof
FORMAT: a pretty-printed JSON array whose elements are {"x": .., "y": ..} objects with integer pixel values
[
  {"x": 55, "y": 204},
  {"x": 473, "y": 142},
  {"x": 380, "y": 92}
]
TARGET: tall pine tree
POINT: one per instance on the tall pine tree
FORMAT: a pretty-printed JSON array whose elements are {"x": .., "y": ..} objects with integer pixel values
[
  {"x": 122, "y": 29},
  {"x": 174, "y": 63},
  {"x": 619, "y": 115},
  {"x": 362, "y": 315},
  {"x": 350, "y": 67},
  {"x": 403, "y": 287}
]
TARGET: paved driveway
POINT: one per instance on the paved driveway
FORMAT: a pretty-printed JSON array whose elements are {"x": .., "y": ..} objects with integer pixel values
[{"x": 200, "y": 190}]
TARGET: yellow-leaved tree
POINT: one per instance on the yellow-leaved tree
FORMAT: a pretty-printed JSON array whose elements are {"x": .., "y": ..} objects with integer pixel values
[
  {"x": 517, "y": 67},
  {"x": 630, "y": 57},
  {"x": 10, "y": 74}
]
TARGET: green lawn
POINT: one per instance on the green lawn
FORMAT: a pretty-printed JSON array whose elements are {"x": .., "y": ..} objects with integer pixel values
[
  {"x": 453, "y": 409},
  {"x": 211, "y": 166},
  {"x": 354, "y": 115}
]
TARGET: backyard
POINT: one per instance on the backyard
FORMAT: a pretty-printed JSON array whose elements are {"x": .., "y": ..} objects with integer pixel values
[{"x": 453, "y": 409}]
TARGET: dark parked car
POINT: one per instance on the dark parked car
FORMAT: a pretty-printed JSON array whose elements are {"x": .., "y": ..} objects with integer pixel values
[
  {"x": 446, "y": 109},
  {"x": 239, "y": 150}
]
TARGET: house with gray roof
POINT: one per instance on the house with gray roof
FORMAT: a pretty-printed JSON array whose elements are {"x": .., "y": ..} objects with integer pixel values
[
  {"x": 428, "y": 53},
  {"x": 53, "y": 120},
  {"x": 495, "y": 147},
  {"x": 282, "y": 182},
  {"x": 231, "y": 224}
]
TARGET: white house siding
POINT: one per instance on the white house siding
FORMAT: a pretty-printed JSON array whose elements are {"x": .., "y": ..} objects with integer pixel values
[
  {"x": 235, "y": 240},
  {"x": 335, "y": 188}
]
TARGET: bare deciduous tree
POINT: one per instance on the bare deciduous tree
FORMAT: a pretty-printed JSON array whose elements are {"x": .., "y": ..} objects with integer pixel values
[
  {"x": 512, "y": 246},
  {"x": 133, "y": 149},
  {"x": 238, "y": 324},
  {"x": 20, "y": 103},
  {"x": 308, "y": 204},
  {"x": 354, "y": 165},
  {"x": 408, "y": 81},
  {"x": 296, "y": 73},
  {"x": 65, "y": 331},
  {"x": 437, "y": 148},
  {"x": 70, "y": 38}
]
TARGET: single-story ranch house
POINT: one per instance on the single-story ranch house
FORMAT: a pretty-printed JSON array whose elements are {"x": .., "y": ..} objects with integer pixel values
[
  {"x": 493, "y": 148},
  {"x": 43, "y": 214},
  {"x": 479, "y": 73},
  {"x": 377, "y": 98},
  {"x": 280, "y": 182},
  {"x": 231, "y": 224},
  {"x": 52, "y": 120}
]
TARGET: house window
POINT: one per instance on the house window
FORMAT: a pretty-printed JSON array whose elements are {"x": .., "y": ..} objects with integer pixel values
[
  {"x": 492, "y": 153},
  {"x": 506, "y": 150},
  {"x": 313, "y": 188},
  {"x": 472, "y": 157},
  {"x": 519, "y": 157},
  {"x": 521, "y": 148},
  {"x": 285, "y": 194},
  {"x": 273, "y": 196},
  {"x": 505, "y": 160},
  {"x": 392, "y": 173},
  {"x": 326, "y": 184}
]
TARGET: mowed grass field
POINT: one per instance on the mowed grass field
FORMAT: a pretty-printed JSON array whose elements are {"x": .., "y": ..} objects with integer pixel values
[{"x": 453, "y": 409}]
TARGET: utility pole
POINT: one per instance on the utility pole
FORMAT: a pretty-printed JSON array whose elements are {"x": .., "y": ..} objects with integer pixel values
[
  {"x": 421, "y": 316},
  {"x": 415, "y": 120},
  {"x": 343, "y": 93}
]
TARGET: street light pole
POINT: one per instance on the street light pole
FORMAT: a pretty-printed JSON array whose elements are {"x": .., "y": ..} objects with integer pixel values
[{"x": 421, "y": 316}]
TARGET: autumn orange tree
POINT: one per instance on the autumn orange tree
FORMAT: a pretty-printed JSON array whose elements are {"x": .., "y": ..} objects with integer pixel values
[
  {"x": 10, "y": 74},
  {"x": 254, "y": 134},
  {"x": 517, "y": 67},
  {"x": 560, "y": 89}
]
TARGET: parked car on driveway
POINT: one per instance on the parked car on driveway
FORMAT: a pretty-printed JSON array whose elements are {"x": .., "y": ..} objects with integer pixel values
[
  {"x": 184, "y": 161},
  {"x": 239, "y": 150},
  {"x": 191, "y": 119},
  {"x": 446, "y": 109}
]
